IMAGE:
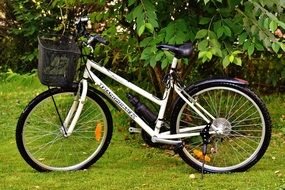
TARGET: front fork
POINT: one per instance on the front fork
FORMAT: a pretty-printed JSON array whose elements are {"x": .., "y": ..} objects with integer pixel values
[{"x": 76, "y": 108}]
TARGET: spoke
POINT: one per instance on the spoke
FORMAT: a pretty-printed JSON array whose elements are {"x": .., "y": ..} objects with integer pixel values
[
  {"x": 248, "y": 130},
  {"x": 76, "y": 152},
  {"x": 48, "y": 144},
  {"x": 227, "y": 104},
  {"x": 246, "y": 137},
  {"x": 209, "y": 104},
  {"x": 92, "y": 111},
  {"x": 56, "y": 155},
  {"x": 247, "y": 125},
  {"x": 195, "y": 145},
  {"x": 39, "y": 137},
  {"x": 244, "y": 112},
  {"x": 45, "y": 121},
  {"x": 193, "y": 115},
  {"x": 234, "y": 150},
  {"x": 88, "y": 122},
  {"x": 229, "y": 117},
  {"x": 233, "y": 105},
  {"x": 220, "y": 103},
  {"x": 246, "y": 119}
]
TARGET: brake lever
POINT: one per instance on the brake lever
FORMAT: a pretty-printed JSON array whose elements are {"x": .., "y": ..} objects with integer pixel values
[{"x": 81, "y": 25}]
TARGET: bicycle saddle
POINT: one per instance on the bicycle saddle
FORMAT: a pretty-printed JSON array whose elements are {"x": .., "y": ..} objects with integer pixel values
[{"x": 182, "y": 50}]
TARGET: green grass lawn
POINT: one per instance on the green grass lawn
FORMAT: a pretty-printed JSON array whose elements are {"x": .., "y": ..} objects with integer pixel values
[{"x": 128, "y": 163}]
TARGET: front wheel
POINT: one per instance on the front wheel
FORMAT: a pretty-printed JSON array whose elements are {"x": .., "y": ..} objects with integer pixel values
[
  {"x": 239, "y": 113},
  {"x": 41, "y": 139}
]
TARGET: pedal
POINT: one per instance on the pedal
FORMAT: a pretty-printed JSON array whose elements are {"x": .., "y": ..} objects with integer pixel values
[{"x": 135, "y": 130}]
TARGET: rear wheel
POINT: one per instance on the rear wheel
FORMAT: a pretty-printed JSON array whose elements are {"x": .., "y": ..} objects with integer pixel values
[
  {"x": 242, "y": 117},
  {"x": 40, "y": 137}
]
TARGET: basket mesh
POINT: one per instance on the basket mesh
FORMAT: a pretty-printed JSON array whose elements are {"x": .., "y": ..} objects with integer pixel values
[{"x": 57, "y": 61}]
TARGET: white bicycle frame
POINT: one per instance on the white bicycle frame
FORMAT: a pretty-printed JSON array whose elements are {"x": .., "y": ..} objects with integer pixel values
[{"x": 157, "y": 137}]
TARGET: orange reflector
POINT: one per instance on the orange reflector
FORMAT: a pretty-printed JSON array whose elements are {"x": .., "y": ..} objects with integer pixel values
[
  {"x": 199, "y": 154},
  {"x": 98, "y": 131}
]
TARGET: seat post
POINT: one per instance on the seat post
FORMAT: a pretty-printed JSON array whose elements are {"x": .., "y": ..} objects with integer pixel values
[{"x": 174, "y": 63}]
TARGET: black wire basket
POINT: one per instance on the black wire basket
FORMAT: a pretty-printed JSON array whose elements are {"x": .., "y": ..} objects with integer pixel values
[{"x": 58, "y": 58}]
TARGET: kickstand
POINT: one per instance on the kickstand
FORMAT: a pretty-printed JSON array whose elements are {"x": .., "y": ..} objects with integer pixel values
[
  {"x": 205, "y": 137},
  {"x": 204, "y": 149}
]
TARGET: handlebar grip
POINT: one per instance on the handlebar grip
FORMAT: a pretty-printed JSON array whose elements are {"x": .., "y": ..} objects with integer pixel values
[
  {"x": 101, "y": 40},
  {"x": 93, "y": 39}
]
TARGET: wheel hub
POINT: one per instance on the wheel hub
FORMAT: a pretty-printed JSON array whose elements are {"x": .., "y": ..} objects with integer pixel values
[{"x": 223, "y": 125}]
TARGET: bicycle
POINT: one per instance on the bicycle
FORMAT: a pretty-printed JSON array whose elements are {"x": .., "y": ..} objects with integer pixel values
[{"x": 217, "y": 125}]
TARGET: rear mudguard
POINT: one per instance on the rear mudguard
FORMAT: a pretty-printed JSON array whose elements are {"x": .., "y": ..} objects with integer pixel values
[{"x": 235, "y": 81}]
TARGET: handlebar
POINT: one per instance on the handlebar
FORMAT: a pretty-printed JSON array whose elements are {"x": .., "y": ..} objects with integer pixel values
[{"x": 81, "y": 24}]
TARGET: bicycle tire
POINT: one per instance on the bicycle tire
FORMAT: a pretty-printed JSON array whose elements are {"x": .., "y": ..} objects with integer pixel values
[
  {"x": 41, "y": 142},
  {"x": 246, "y": 126}
]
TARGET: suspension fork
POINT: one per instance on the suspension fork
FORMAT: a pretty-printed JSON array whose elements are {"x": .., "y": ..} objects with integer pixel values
[{"x": 76, "y": 108}]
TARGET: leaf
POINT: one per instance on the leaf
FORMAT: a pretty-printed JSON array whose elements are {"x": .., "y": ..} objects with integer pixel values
[
  {"x": 273, "y": 26},
  {"x": 242, "y": 37},
  {"x": 220, "y": 32},
  {"x": 236, "y": 52},
  {"x": 164, "y": 64},
  {"x": 150, "y": 27},
  {"x": 141, "y": 30},
  {"x": 215, "y": 43},
  {"x": 204, "y": 59},
  {"x": 227, "y": 31},
  {"x": 146, "y": 53},
  {"x": 209, "y": 55},
  {"x": 217, "y": 52},
  {"x": 201, "y": 54},
  {"x": 206, "y": 1},
  {"x": 226, "y": 61},
  {"x": 152, "y": 62},
  {"x": 231, "y": 58},
  {"x": 159, "y": 56},
  {"x": 237, "y": 61},
  {"x": 201, "y": 34},
  {"x": 212, "y": 35},
  {"x": 145, "y": 42},
  {"x": 266, "y": 42},
  {"x": 266, "y": 23},
  {"x": 202, "y": 46},
  {"x": 131, "y": 2},
  {"x": 170, "y": 31},
  {"x": 258, "y": 46},
  {"x": 204, "y": 20},
  {"x": 250, "y": 49},
  {"x": 137, "y": 12},
  {"x": 275, "y": 47},
  {"x": 282, "y": 45}
]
